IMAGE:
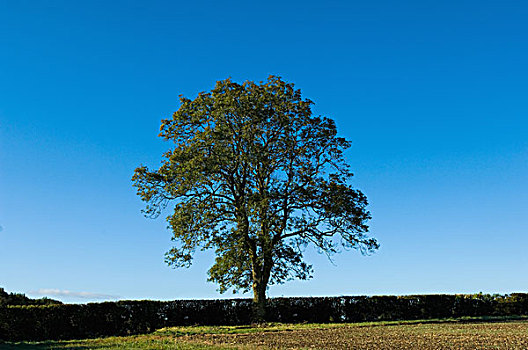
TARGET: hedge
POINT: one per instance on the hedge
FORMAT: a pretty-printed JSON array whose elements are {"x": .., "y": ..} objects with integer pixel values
[{"x": 77, "y": 321}]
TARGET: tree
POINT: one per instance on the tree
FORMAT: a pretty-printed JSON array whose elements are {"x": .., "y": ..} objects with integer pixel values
[
  {"x": 7, "y": 299},
  {"x": 256, "y": 177}
]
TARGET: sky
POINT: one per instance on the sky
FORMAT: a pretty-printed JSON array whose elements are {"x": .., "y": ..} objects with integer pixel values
[{"x": 432, "y": 94}]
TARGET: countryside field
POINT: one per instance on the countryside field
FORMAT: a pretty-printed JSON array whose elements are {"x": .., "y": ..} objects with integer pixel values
[{"x": 430, "y": 334}]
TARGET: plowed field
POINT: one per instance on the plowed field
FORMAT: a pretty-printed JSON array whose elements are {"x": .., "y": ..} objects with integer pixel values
[{"x": 498, "y": 335}]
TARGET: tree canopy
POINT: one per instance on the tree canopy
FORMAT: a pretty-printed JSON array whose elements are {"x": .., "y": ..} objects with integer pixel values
[
  {"x": 254, "y": 175},
  {"x": 7, "y": 299}
]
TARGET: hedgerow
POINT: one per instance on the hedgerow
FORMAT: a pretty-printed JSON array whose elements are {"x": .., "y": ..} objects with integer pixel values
[{"x": 76, "y": 321}]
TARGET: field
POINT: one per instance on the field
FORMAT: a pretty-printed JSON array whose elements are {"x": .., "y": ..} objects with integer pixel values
[{"x": 435, "y": 334}]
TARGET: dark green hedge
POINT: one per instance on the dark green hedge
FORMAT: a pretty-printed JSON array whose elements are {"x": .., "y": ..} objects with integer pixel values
[{"x": 75, "y": 321}]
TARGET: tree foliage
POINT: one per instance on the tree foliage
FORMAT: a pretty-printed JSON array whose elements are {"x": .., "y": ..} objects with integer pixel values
[
  {"x": 256, "y": 177},
  {"x": 21, "y": 299}
]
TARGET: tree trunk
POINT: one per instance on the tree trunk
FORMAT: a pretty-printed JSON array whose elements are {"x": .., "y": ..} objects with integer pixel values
[{"x": 259, "y": 302}]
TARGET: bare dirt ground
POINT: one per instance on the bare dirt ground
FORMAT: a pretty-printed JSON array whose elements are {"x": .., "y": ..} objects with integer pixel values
[{"x": 480, "y": 335}]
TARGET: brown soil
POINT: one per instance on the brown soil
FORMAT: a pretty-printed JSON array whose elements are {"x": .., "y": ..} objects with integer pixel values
[{"x": 499, "y": 335}]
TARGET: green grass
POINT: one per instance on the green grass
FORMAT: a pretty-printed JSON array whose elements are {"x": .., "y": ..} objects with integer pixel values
[{"x": 132, "y": 342}]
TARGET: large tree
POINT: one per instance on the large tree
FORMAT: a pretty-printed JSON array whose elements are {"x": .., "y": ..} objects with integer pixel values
[{"x": 256, "y": 177}]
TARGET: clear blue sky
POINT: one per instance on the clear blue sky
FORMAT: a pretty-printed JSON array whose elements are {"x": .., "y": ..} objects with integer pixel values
[{"x": 433, "y": 95}]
